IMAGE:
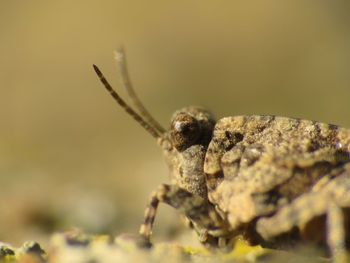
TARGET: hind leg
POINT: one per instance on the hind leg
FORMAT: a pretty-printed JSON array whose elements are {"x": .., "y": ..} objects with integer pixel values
[
  {"x": 296, "y": 214},
  {"x": 327, "y": 205}
]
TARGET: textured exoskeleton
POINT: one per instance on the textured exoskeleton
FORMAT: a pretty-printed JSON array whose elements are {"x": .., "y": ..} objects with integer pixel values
[{"x": 275, "y": 181}]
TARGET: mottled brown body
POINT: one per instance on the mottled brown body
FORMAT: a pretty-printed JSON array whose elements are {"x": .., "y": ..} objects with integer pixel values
[
  {"x": 274, "y": 180},
  {"x": 281, "y": 174},
  {"x": 270, "y": 179}
]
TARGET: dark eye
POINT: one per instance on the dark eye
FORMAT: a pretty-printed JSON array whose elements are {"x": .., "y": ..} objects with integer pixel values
[{"x": 184, "y": 131}]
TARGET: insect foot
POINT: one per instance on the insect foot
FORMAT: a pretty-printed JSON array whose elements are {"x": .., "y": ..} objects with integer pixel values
[{"x": 268, "y": 179}]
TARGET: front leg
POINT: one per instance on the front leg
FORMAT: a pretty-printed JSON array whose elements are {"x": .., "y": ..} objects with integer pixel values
[{"x": 207, "y": 222}]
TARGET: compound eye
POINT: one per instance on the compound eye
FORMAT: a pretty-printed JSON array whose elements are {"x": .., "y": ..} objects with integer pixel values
[{"x": 184, "y": 131}]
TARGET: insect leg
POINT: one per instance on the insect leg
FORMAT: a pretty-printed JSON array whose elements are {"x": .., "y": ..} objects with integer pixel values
[
  {"x": 150, "y": 212},
  {"x": 298, "y": 213},
  {"x": 336, "y": 233},
  {"x": 197, "y": 209}
]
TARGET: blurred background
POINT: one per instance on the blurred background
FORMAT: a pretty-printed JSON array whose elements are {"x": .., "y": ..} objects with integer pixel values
[{"x": 70, "y": 157}]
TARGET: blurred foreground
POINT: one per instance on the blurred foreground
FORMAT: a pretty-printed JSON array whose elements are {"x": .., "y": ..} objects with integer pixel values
[{"x": 75, "y": 247}]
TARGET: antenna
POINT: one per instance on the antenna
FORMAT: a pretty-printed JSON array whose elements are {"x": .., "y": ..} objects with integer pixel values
[
  {"x": 120, "y": 57},
  {"x": 155, "y": 133}
]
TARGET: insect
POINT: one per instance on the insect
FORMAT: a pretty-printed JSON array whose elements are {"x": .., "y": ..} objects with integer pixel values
[{"x": 276, "y": 181}]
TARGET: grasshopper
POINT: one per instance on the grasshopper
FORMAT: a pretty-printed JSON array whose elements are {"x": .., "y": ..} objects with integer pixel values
[{"x": 276, "y": 181}]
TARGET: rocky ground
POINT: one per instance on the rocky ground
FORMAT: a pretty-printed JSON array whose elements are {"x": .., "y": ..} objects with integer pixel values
[{"x": 76, "y": 247}]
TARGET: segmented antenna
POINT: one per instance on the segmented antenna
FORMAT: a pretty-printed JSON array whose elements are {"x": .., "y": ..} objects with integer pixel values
[
  {"x": 120, "y": 57},
  {"x": 155, "y": 133}
]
